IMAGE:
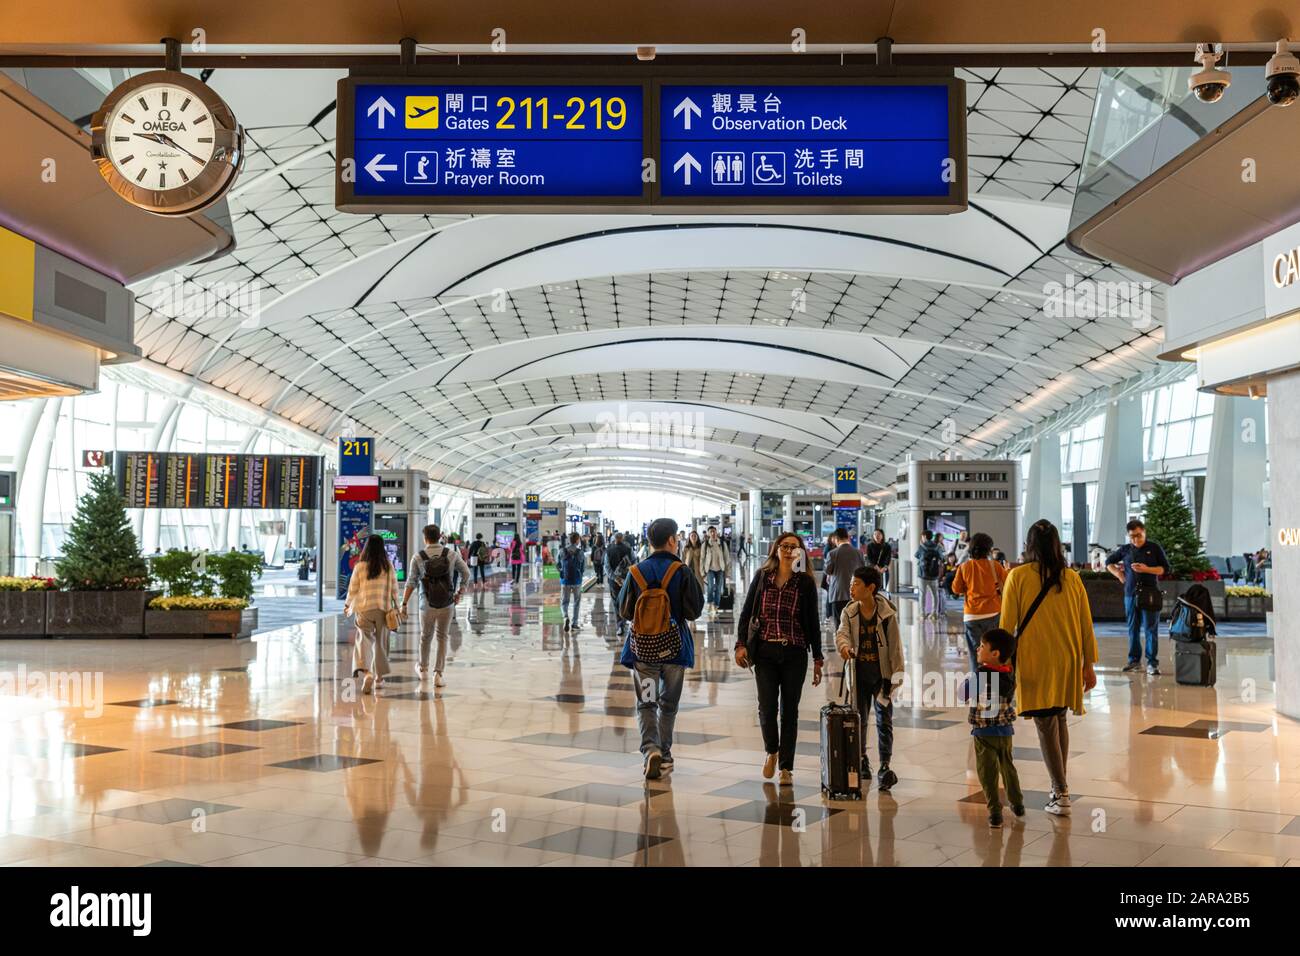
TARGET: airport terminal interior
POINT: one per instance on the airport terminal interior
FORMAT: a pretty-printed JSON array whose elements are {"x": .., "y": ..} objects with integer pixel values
[{"x": 386, "y": 310}]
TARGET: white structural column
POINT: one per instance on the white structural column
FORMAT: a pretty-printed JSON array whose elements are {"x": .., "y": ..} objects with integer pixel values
[
  {"x": 1233, "y": 520},
  {"x": 1043, "y": 489},
  {"x": 1121, "y": 465},
  {"x": 34, "y": 478},
  {"x": 1284, "y": 488}
]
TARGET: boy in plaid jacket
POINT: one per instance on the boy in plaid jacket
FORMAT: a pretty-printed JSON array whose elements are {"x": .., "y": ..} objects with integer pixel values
[{"x": 992, "y": 718}]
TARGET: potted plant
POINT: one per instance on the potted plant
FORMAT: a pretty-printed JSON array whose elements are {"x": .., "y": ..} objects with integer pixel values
[
  {"x": 101, "y": 573},
  {"x": 1169, "y": 524},
  {"x": 1105, "y": 594},
  {"x": 207, "y": 595},
  {"x": 22, "y": 606}
]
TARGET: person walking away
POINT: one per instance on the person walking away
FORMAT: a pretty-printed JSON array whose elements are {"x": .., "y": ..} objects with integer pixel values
[
  {"x": 991, "y": 690},
  {"x": 867, "y": 639},
  {"x": 439, "y": 574},
  {"x": 1139, "y": 565},
  {"x": 572, "y": 563},
  {"x": 840, "y": 565},
  {"x": 692, "y": 552},
  {"x": 598, "y": 558},
  {"x": 879, "y": 555},
  {"x": 929, "y": 569},
  {"x": 659, "y": 599},
  {"x": 780, "y": 622},
  {"x": 716, "y": 562},
  {"x": 618, "y": 558},
  {"x": 372, "y": 593},
  {"x": 980, "y": 580},
  {"x": 1045, "y": 606},
  {"x": 516, "y": 558},
  {"x": 479, "y": 555}
]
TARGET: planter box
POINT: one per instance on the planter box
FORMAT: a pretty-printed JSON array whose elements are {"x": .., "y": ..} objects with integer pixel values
[
  {"x": 22, "y": 613},
  {"x": 1247, "y": 608},
  {"x": 248, "y": 621},
  {"x": 1105, "y": 598},
  {"x": 190, "y": 623},
  {"x": 96, "y": 613}
]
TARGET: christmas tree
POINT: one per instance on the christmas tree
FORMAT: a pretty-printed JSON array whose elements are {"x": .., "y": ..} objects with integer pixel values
[
  {"x": 101, "y": 552},
  {"x": 1170, "y": 525}
]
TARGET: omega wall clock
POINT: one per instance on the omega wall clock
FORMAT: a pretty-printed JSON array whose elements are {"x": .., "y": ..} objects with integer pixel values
[{"x": 164, "y": 141}]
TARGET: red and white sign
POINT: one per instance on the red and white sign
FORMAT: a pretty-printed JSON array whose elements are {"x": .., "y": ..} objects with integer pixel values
[
  {"x": 356, "y": 488},
  {"x": 93, "y": 459}
]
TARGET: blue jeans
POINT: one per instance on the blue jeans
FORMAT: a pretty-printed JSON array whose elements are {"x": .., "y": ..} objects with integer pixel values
[
  {"x": 715, "y": 579},
  {"x": 571, "y": 593},
  {"x": 658, "y": 689},
  {"x": 974, "y": 631},
  {"x": 1139, "y": 620}
]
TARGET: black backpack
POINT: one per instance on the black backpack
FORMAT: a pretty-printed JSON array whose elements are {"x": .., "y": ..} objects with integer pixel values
[
  {"x": 931, "y": 564},
  {"x": 436, "y": 579}
]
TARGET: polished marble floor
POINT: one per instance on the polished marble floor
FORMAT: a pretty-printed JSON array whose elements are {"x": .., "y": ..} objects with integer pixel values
[{"x": 258, "y": 754}]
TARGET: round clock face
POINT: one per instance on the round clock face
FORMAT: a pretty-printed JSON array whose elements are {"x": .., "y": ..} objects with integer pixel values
[
  {"x": 160, "y": 137},
  {"x": 164, "y": 141}
]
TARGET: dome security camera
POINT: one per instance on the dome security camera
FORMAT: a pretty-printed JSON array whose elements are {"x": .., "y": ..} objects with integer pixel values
[
  {"x": 1282, "y": 76},
  {"x": 1209, "y": 83}
]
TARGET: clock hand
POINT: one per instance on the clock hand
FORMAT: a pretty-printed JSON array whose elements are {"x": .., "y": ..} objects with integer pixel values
[
  {"x": 152, "y": 137},
  {"x": 168, "y": 141}
]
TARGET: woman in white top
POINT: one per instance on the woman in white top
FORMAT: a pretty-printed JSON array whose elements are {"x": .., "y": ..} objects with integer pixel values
[{"x": 372, "y": 592}]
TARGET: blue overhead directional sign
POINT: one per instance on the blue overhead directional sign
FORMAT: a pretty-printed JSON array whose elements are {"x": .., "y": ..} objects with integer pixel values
[
  {"x": 438, "y": 140},
  {"x": 869, "y": 141}
]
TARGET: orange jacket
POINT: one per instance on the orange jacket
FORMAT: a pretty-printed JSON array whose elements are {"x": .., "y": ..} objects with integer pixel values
[{"x": 980, "y": 579}]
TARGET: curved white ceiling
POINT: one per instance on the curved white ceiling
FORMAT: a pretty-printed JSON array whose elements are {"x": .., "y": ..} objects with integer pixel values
[{"x": 801, "y": 338}]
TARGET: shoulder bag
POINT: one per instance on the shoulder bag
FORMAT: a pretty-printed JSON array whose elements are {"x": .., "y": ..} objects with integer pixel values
[
  {"x": 393, "y": 616},
  {"x": 1033, "y": 608},
  {"x": 755, "y": 635}
]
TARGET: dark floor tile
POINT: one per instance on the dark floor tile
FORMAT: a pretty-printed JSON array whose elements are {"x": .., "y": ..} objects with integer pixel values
[
  {"x": 323, "y": 763},
  {"x": 146, "y": 702},
  {"x": 209, "y": 748},
  {"x": 1292, "y": 828},
  {"x": 260, "y": 724},
  {"x": 753, "y": 790},
  {"x": 566, "y": 698},
  {"x": 171, "y": 810},
  {"x": 241, "y": 669},
  {"x": 779, "y": 811},
  {"x": 605, "y": 794},
  {"x": 58, "y": 748},
  {"x": 596, "y": 842},
  {"x": 1198, "y": 733},
  {"x": 1227, "y": 726}
]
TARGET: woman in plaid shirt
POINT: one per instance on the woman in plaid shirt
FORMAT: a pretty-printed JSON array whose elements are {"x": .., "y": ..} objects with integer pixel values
[
  {"x": 372, "y": 590},
  {"x": 781, "y": 607}
]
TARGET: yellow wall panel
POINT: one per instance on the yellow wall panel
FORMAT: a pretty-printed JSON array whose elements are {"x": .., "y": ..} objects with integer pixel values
[{"x": 17, "y": 275}]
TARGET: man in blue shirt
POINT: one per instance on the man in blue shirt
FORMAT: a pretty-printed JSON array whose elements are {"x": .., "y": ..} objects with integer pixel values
[
  {"x": 659, "y": 683},
  {"x": 1139, "y": 564},
  {"x": 572, "y": 562}
]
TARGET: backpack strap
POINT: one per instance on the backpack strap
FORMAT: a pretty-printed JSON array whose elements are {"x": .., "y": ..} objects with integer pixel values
[
  {"x": 638, "y": 577},
  {"x": 668, "y": 575}
]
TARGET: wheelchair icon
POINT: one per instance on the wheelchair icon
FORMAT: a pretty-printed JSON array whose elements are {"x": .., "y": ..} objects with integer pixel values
[{"x": 767, "y": 169}]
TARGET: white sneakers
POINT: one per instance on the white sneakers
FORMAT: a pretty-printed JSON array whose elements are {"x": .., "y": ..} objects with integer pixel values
[
  {"x": 1058, "y": 804},
  {"x": 438, "y": 681}
]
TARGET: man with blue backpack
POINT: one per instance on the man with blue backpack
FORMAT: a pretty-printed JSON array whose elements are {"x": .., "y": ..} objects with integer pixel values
[
  {"x": 573, "y": 562},
  {"x": 659, "y": 598}
]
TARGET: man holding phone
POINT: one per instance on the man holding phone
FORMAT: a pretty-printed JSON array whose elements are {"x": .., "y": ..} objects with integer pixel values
[{"x": 1139, "y": 565}]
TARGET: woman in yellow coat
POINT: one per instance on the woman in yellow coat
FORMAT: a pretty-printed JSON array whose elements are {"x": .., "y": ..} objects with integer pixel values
[{"x": 1055, "y": 650}]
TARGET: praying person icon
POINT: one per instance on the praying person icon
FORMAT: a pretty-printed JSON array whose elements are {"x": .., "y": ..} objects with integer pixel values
[{"x": 419, "y": 168}]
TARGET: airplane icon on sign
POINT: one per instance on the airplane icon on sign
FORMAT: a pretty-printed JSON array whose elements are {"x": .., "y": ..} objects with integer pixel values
[{"x": 416, "y": 112}]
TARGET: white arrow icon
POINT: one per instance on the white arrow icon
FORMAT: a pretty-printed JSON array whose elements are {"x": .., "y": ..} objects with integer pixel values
[
  {"x": 689, "y": 162},
  {"x": 688, "y": 107},
  {"x": 382, "y": 106},
  {"x": 374, "y": 168}
]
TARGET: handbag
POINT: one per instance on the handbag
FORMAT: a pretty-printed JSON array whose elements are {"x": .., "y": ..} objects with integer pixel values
[
  {"x": 1150, "y": 598},
  {"x": 1029, "y": 615},
  {"x": 393, "y": 617},
  {"x": 755, "y": 636}
]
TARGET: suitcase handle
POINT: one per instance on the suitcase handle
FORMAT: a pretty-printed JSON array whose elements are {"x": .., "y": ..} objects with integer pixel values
[{"x": 845, "y": 683}]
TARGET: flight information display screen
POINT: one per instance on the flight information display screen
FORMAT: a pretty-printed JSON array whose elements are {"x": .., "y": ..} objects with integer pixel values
[{"x": 172, "y": 480}]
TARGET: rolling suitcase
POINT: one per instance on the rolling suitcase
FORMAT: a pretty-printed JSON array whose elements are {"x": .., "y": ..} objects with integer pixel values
[
  {"x": 841, "y": 745},
  {"x": 1194, "y": 663},
  {"x": 728, "y": 600}
]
